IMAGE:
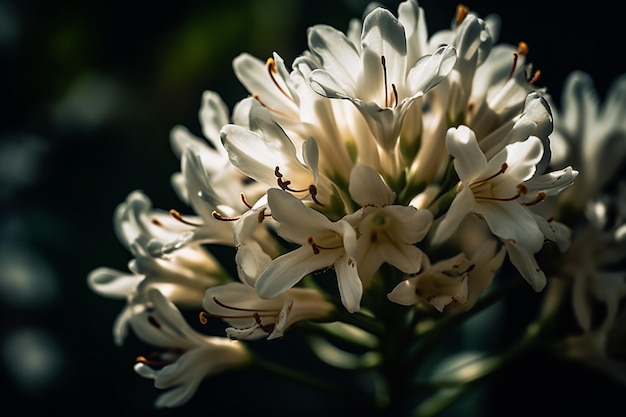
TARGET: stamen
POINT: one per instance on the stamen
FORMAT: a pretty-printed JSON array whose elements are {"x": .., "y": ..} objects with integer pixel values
[
  {"x": 273, "y": 110},
  {"x": 313, "y": 192},
  {"x": 383, "y": 62},
  {"x": 503, "y": 168},
  {"x": 316, "y": 248},
  {"x": 522, "y": 49},
  {"x": 266, "y": 329},
  {"x": 515, "y": 57},
  {"x": 461, "y": 13},
  {"x": 255, "y": 315},
  {"x": 156, "y": 222},
  {"x": 535, "y": 77},
  {"x": 245, "y": 202},
  {"x": 270, "y": 64},
  {"x": 541, "y": 196},
  {"x": 521, "y": 190},
  {"x": 256, "y": 310},
  {"x": 395, "y": 94},
  {"x": 218, "y": 216},
  {"x": 152, "y": 362},
  {"x": 178, "y": 217},
  {"x": 284, "y": 185}
]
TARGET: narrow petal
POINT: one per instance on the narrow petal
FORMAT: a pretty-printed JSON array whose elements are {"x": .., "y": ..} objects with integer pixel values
[
  {"x": 469, "y": 160},
  {"x": 287, "y": 270},
  {"x": 350, "y": 286},
  {"x": 367, "y": 187},
  {"x": 461, "y": 206},
  {"x": 526, "y": 264},
  {"x": 404, "y": 293}
]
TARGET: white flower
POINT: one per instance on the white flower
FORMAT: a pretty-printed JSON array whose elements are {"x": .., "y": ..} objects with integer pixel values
[
  {"x": 454, "y": 284},
  {"x": 386, "y": 232},
  {"x": 376, "y": 77},
  {"x": 323, "y": 244},
  {"x": 441, "y": 284},
  {"x": 182, "y": 275},
  {"x": 590, "y": 134},
  {"x": 252, "y": 317},
  {"x": 497, "y": 191},
  {"x": 266, "y": 154},
  {"x": 190, "y": 356}
]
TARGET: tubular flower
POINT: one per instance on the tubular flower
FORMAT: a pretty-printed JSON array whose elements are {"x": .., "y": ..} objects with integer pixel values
[
  {"x": 497, "y": 191},
  {"x": 322, "y": 243},
  {"x": 386, "y": 232},
  {"x": 190, "y": 357}
]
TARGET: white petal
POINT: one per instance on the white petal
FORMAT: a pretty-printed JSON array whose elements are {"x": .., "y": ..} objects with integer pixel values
[
  {"x": 407, "y": 258},
  {"x": 512, "y": 221},
  {"x": 368, "y": 188},
  {"x": 287, "y": 270},
  {"x": 526, "y": 264},
  {"x": 338, "y": 55},
  {"x": 430, "y": 70},
  {"x": 404, "y": 293},
  {"x": 350, "y": 286},
  {"x": 112, "y": 283},
  {"x": 522, "y": 158},
  {"x": 213, "y": 115},
  {"x": 461, "y": 206},
  {"x": 469, "y": 160}
]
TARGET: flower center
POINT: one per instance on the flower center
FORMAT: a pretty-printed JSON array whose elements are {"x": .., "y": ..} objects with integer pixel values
[
  {"x": 483, "y": 190},
  {"x": 317, "y": 247},
  {"x": 285, "y": 185},
  {"x": 246, "y": 313}
]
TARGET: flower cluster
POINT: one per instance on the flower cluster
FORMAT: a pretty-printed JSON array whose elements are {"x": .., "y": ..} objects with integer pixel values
[{"x": 386, "y": 176}]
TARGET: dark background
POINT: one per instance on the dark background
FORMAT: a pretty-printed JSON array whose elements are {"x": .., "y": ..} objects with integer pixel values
[{"x": 90, "y": 91}]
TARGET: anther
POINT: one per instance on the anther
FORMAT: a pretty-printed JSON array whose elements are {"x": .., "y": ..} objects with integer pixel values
[
  {"x": 534, "y": 77},
  {"x": 175, "y": 214},
  {"x": 156, "y": 222},
  {"x": 395, "y": 94},
  {"x": 461, "y": 13}
]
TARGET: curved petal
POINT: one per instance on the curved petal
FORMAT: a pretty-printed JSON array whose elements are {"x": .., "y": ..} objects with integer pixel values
[
  {"x": 461, "y": 206},
  {"x": 350, "y": 286},
  {"x": 469, "y": 160},
  {"x": 526, "y": 264},
  {"x": 368, "y": 188},
  {"x": 287, "y": 270},
  {"x": 112, "y": 283}
]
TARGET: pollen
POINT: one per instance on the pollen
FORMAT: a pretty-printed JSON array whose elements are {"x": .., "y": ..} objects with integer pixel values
[{"x": 461, "y": 13}]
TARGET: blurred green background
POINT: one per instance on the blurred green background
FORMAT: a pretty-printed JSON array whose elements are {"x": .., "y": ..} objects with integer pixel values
[{"x": 90, "y": 91}]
